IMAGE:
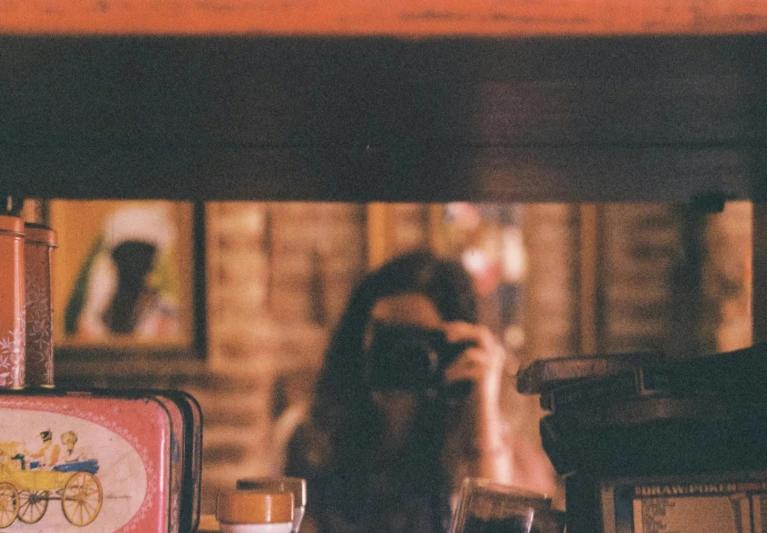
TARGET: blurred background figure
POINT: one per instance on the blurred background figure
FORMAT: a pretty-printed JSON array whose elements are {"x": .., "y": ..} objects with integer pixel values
[{"x": 407, "y": 405}]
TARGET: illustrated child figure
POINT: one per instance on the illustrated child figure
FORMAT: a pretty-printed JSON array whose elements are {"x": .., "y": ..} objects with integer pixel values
[
  {"x": 73, "y": 453},
  {"x": 47, "y": 455}
]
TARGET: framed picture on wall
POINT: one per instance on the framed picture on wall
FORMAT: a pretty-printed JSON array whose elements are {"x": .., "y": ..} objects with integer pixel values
[{"x": 124, "y": 274}]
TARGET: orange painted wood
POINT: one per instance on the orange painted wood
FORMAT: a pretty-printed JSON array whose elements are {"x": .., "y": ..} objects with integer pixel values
[{"x": 416, "y": 18}]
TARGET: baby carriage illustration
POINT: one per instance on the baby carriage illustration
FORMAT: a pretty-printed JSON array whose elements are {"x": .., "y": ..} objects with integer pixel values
[{"x": 25, "y": 490}]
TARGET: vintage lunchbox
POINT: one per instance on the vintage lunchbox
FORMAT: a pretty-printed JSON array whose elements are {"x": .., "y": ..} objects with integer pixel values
[
  {"x": 186, "y": 457},
  {"x": 99, "y": 461},
  {"x": 186, "y": 453}
]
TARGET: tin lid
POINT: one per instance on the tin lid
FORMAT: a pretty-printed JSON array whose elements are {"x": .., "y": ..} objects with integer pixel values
[
  {"x": 254, "y": 507},
  {"x": 40, "y": 234},
  {"x": 296, "y": 485},
  {"x": 10, "y": 224}
]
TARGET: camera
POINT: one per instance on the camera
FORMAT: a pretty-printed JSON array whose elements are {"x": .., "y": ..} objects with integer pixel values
[{"x": 410, "y": 358}]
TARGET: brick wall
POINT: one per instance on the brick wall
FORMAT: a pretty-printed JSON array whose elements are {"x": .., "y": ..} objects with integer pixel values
[
  {"x": 551, "y": 238},
  {"x": 641, "y": 250},
  {"x": 676, "y": 279},
  {"x": 278, "y": 278}
]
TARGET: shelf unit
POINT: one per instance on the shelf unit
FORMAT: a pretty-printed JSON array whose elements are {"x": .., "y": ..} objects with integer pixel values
[{"x": 574, "y": 119}]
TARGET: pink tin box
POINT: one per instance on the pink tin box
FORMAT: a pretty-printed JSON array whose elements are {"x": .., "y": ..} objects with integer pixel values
[{"x": 99, "y": 461}]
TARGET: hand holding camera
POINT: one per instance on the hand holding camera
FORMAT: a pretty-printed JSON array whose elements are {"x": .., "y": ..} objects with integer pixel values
[
  {"x": 483, "y": 363},
  {"x": 459, "y": 357}
]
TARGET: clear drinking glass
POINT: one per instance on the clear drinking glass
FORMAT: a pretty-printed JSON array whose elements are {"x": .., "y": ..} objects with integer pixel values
[{"x": 487, "y": 507}]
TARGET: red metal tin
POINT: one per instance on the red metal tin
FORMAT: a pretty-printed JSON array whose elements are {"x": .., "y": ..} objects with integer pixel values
[
  {"x": 192, "y": 476},
  {"x": 186, "y": 456},
  {"x": 177, "y": 452},
  {"x": 39, "y": 244},
  {"x": 184, "y": 420},
  {"x": 86, "y": 462},
  {"x": 12, "y": 303}
]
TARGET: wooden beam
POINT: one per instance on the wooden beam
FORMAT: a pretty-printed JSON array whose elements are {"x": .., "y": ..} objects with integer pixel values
[
  {"x": 588, "y": 263},
  {"x": 408, "y": 18},
  {"x": 380, "y": 230},
  {"x": 436, "y": 228},
  {"x": 450, "y": 173},
  {"x": 375, "y": 119}
]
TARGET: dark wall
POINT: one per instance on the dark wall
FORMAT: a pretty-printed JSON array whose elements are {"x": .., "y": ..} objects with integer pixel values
[{"x": 598, "y": 119}]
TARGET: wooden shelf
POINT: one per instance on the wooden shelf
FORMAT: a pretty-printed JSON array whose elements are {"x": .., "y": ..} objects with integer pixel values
[{"x": 384, "y": 119}]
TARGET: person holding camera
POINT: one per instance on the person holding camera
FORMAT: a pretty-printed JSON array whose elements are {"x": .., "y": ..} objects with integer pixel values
[{"x": 407, "y": 405}]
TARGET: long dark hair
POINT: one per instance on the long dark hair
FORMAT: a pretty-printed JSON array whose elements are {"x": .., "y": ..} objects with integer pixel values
[{"x": 345, "y": 424}]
